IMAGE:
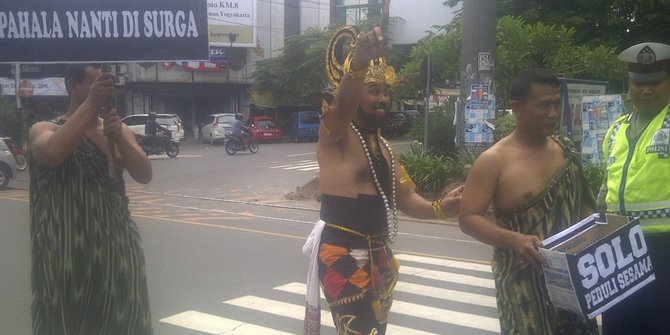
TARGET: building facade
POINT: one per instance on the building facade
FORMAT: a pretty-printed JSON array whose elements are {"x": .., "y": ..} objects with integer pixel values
[{"x": 241, "y": 33}]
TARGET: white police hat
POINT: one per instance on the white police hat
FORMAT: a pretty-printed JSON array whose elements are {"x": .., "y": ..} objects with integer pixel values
[{"x": 647, "y": 62}]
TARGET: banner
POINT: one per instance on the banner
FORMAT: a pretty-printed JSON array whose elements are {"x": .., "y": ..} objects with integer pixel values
[
  {"x": 232, "y": 23},
  {"x": 56, "y": 31},
  {"x": 36, "y": 80}
]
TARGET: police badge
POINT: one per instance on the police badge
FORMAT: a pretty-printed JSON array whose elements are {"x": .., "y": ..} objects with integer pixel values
[{"x": 660, "y": 143}]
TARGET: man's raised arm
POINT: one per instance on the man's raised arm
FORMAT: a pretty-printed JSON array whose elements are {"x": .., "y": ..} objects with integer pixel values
[{"x": 369, "y": 45}]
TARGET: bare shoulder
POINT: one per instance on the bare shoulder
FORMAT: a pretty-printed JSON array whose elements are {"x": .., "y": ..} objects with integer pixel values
[
  {"x": 42, "y": 127},
  {"x": 494, "y": 158}
]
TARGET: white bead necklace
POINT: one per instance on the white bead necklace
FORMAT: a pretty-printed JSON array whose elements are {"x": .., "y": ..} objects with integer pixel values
[{"x": 391, "y": 212}]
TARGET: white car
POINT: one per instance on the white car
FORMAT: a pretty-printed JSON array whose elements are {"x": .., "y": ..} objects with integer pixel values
[
  {"x": 172, "y": 122},
  {"x": 216, "y": 127},
  {"x": 7, "y": 165}
]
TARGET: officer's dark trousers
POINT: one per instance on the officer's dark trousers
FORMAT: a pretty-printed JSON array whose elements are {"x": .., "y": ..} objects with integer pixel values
[{"x": 647, "y": 311}]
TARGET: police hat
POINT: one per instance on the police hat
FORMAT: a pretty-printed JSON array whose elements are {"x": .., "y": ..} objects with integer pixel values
[{"x": 647, "y": 62}]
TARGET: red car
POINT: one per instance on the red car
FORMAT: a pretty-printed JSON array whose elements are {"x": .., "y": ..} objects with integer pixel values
[{"x": 265, "y": 128}]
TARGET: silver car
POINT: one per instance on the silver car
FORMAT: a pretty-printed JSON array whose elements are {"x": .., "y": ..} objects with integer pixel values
[
  {"x": 172, "y": 122},
  {"x": 7, "y": 165},
  {"x": 216, "y": 127}
]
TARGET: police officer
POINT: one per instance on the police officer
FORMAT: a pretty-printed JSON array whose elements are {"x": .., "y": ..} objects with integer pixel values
[{"x": 638, "y": 184}]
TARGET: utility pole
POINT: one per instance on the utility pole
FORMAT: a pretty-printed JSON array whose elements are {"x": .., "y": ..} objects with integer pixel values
[
  {"x": 477, "y": 74},
  {"x": 426, "y": 70}
]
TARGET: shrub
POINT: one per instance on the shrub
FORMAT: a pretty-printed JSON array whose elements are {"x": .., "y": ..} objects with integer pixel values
[
  {"x": 594, "y": 174},
  {"x": 429, "y": 171},
  {"x": 504, "y": 126},
  {"x": 441, "y": 131},
  {"x": 10, "y": 120}
]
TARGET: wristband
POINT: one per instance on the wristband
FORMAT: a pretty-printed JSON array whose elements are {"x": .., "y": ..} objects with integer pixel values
[{"x": 437, "y": 210}]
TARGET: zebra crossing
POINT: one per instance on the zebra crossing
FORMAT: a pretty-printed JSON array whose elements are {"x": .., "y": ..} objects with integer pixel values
[
  {"x": 433, "y": 296},
  {"x": 302, "y": 165}
]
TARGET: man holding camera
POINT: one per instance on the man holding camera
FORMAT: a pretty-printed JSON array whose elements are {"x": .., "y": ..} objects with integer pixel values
[{"x": 88, "y": 274}]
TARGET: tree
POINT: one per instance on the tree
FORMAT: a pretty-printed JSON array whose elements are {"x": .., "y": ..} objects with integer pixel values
[
  {"x": 522, "y": 45},
  {"x": 519, "y": 45},
  {"x": 444, "y": 50},
  {"x": 10, "y": 121},
  {"x": 616, "y": 23},
  {"x": 297, "y": 76}
]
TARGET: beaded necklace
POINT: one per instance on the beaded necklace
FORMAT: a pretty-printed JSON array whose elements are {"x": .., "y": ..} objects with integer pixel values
[{"x": 391, "y": 212}]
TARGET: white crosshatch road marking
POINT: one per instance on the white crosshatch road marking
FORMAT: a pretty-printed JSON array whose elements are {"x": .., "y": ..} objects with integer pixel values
[
  {"x": 429, "y": 290},
  {"x": 303, "y": 165}
]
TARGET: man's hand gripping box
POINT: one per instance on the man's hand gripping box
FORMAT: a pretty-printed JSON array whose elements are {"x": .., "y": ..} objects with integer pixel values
[{"x": 594, "y": 264}]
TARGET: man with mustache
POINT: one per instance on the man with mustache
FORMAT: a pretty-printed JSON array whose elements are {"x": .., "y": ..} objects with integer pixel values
[
  {"x": 636, "y": 184},
  {"x": 362, "y": 185},
  {"x": 535, "y": 183}
]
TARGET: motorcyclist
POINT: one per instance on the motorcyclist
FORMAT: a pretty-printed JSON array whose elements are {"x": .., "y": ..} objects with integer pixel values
[
  {"x": 240, "y": 132},
  {"x": 151, "y": 129}
]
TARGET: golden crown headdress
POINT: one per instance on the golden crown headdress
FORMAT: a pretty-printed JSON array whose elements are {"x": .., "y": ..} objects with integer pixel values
[{"x": 336, "y": 64}]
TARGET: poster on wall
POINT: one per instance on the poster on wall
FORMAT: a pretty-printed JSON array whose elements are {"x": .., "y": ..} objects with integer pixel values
[
  {"x": 571, "y": 122},
  {"x": 232, "y": 23},
  {"x": 479, "y": 115},
  {"x": 598, "y": 113},
  {"x": 37, "y": 31}
]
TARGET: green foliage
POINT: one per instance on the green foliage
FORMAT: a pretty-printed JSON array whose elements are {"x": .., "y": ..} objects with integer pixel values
[
  {"x": 615, "y": 23},
  {"x": 441, "y": 131},
  {"x": 429, "y": 171},
  {"x": 522, "y": 45},
  {"x": 444, "y": 51},
  {"x": 297, "y": 76},
  {"x": 505, "y": 124},
  {"x": 10, "y": 120},
  {"x": 594, "y": 174}
]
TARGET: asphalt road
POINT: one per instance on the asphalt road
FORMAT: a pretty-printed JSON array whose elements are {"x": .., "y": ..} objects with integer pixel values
[{"x": 223, "y": 251}]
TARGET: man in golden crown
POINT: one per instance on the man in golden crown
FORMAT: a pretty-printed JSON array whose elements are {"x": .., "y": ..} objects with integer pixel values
[{"x": 362, "y": 186}]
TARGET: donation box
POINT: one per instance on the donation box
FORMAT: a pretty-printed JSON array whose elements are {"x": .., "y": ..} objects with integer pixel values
[{"x": 596, "y": 263}]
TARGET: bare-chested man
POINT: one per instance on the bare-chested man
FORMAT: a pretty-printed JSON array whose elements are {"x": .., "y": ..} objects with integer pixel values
[
  {"x": 361, "y": 185},
  {"x": 534, "y": 181}
]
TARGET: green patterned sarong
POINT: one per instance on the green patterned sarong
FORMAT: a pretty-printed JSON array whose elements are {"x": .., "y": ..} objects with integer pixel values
[
  {"x": 88, "y": 274},
  {"x": 523, "y": 303}
]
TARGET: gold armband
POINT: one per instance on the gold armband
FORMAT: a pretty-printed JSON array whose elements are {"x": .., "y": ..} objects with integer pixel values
[
  {"x": 405, "y": 178},
  {"x": 437, "y": 210}
]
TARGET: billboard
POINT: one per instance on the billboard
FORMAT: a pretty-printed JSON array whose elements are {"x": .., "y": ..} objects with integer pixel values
[
  {"x": 58, "y": 31},
  {"x": 232, "y": 23}
]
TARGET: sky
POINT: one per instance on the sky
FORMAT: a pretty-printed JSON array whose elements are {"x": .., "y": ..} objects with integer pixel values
[{"x": 417, "y": 17}]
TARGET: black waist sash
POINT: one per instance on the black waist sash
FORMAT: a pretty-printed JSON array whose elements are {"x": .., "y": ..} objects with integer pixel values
[{"x": 365, "y": 214}]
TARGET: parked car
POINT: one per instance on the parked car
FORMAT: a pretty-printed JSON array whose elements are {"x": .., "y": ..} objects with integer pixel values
[
  {"x": 264, "y": 128},
  {"x": 172, "y": 122},
  {"x": 216, "y": 127},
  {"x": 305, "y": 124},
  {"x": 395, "y": 124},
  {"x": 7, "y": 165},
  {"x": 399, "y": 123}
]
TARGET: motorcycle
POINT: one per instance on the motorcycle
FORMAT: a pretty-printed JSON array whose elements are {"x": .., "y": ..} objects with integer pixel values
[
  {"x": 234, "y": 144},
  {"x": 18, "y": 153},
  {"x": 164, "y": 144}
]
